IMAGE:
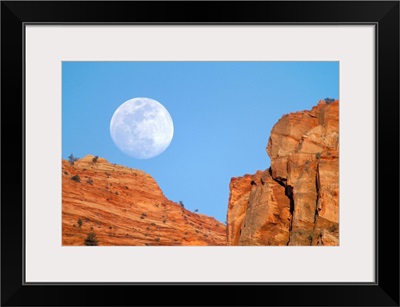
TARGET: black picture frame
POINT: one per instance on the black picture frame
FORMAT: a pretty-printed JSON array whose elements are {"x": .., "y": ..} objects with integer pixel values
[{"x": 383, "y": 14}]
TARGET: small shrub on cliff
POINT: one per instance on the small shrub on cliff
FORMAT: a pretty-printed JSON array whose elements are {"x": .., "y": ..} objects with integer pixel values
[
  {"x": 329, "y": 100},
  {"x": 76, "y": 178},
  {"x": 333, "y": 228},
  {"x": 95, "y": 159},
  {"x": 79, "y": 223},
  {"x": 72, "y": 159},
  {"x": 181, "y": 203},
  {"x": 91, "y": 239},
  {"x": 89, "y": 181}
]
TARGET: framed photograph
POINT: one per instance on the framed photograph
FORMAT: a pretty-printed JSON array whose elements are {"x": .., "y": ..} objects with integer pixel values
[{"x": 240, "y": 146}]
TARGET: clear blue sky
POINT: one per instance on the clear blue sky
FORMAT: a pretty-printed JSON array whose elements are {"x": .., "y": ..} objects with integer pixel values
[{"x": 223, "y": 113}]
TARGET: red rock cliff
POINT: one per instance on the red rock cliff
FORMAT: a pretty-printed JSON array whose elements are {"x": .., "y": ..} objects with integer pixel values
[
  {"x": 295, "y": 201},
  {"x": 125, "y": 206}
]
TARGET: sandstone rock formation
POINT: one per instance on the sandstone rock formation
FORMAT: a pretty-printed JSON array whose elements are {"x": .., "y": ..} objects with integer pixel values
[
  {"x": 125, "y": 206},
  {"x": 296, "y": 200}
]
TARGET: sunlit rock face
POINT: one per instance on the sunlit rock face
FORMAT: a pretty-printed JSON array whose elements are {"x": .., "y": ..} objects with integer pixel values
[
  {"x": 296, "y": 200},
  {"x": 257, "y": 206},
  {"x": 125, "y": 206}
]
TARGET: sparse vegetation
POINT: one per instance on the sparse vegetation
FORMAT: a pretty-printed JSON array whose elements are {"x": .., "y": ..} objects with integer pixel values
[
  {"x": 333, "y": 228},
  {"x": 79, "y": 223},
  {"x": 116, "y": 192},
  {"x": 157, "y": 239},
  {"x": 72, "y": 159},
  {"x": 196, "y": 210},
  {"x": 91, "y": 239},
  {"x": 95, "y": 159},
  {"x": 89, "y": 181},
  {"x": 329, "y": 100},
  {"x": 318, "y": 155},
  {"x": 76, "y": 178},
  {"x": 181, "y": 203}
]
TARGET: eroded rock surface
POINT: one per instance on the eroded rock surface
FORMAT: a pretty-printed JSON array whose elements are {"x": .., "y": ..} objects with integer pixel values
[
  {"x": 125, "y": 206},
  {"x": 296, "y": 200}
]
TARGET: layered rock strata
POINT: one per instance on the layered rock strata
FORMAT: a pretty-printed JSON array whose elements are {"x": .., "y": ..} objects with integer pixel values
[{"x": 125, "y": 206}]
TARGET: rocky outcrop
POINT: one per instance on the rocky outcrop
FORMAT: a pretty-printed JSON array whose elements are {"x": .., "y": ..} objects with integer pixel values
[
  {"x": 257, "y": 206},
  {"x": 295, "y": 201},
  {"x": 125, "y": 206}
]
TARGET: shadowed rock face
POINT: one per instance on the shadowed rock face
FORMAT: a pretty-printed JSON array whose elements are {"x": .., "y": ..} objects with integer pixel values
[
  {"x": 295, "y": 201},
  {"x": 125, "y": 206}
]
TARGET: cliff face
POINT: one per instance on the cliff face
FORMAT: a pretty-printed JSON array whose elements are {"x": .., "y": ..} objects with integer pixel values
[
  {"x": 295, "y": 201},
  {"x": 124, "y": 206}
]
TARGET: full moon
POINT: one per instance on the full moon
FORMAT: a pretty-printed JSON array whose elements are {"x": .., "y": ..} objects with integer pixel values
[{"x": 141, "y": 128}]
